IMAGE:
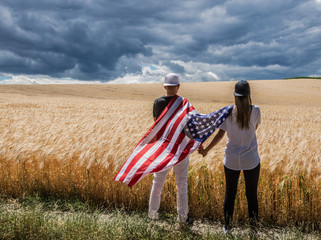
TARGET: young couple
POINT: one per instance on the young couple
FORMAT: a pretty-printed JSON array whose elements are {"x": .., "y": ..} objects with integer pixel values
[{"x": 240, "y": 154}]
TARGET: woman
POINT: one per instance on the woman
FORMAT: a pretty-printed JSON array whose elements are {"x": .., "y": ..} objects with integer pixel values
[{"x": 240, "y": 153}]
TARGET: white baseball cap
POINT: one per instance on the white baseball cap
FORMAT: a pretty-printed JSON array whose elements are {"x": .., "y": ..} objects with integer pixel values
[{"x": 171, "y": 79}]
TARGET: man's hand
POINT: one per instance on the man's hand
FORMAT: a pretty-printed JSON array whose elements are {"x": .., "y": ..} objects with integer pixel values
[{"x": 202, "y": 151}]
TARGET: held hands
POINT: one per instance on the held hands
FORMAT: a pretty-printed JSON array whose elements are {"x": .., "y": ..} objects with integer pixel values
[
  {"x": 202, "y": 151},
  {"x": 215, "y": 140}
]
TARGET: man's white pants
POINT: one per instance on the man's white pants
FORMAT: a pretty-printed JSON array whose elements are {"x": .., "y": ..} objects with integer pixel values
[{"x": 181, "y": 171}]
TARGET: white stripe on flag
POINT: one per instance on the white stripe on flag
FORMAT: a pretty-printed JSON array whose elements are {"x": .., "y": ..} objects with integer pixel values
[
  {"x": 164, "y": 154},
  {"x": 163, "y": 121},
  {"x": 151, "y": 151},
  {"x": 178, "y": 153},
  {"x": 150, "y": 136}
]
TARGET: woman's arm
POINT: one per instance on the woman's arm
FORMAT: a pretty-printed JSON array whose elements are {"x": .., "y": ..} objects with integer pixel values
[{"x": 218, "y": 137}]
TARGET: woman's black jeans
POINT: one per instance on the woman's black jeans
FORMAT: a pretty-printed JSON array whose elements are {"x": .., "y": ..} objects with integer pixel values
[{"x": 251, "y": 181}]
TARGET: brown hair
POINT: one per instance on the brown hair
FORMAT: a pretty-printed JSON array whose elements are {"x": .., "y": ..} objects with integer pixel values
[{"x": 243, "y": 111}]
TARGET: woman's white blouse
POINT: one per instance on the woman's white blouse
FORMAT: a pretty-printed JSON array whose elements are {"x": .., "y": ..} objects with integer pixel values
[{"x": 241, "y": 151}]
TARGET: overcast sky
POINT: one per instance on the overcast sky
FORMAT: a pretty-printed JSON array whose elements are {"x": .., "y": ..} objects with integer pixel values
[{"x": 141, "y": 41}]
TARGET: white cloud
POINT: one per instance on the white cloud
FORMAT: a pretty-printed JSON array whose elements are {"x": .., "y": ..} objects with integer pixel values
[
  {"x": 214, "y": 76},
  {"x": 25, "y": 79},
  {"x": 200, "y": 71},
  {"x": 149, "y": 74}
]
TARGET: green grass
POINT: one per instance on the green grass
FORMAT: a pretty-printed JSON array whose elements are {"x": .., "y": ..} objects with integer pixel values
[{"x": 39, "y": 218}]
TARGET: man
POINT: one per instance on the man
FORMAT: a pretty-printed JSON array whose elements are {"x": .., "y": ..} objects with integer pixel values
[{"x": 171, "y": 86}]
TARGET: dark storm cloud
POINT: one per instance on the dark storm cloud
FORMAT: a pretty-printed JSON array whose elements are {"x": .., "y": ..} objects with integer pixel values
[
  {"x": 104, "y": 40},
  {"x": 55, "y": 37}
]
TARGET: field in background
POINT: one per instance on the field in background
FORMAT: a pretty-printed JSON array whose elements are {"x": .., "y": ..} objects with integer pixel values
[{"x": 70, "y": 140}]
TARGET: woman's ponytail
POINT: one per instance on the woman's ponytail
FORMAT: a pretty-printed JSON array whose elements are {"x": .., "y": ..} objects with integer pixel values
[{"x": 243, "y": 111}]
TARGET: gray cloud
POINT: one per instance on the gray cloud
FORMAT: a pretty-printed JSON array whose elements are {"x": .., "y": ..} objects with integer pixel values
[{"x": 106, "y": 40}]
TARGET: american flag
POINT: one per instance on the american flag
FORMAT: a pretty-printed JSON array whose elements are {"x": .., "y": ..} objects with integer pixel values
[{"x": 178, "y": 132}]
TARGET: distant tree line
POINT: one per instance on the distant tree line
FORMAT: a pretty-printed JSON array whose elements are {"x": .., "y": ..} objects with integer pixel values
[{"x": 303, "y": 77}]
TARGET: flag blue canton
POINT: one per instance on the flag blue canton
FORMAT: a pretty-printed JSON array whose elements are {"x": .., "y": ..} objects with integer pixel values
[{"x": 200, "y": 126}]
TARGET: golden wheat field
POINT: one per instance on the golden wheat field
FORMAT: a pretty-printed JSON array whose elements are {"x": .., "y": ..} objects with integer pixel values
[{"x": 70, "y": 141}]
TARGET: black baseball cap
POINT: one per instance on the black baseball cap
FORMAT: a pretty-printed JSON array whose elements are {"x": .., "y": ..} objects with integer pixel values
[{"x": 242, "y": 88}]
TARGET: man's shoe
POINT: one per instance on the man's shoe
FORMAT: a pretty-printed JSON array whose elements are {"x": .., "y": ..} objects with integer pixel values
[
  {"x": 153, "y": 215},
  {"x": 189, "y": 221}
]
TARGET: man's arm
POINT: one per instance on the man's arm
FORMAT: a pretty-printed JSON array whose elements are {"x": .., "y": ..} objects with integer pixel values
[
  {"x": 154, "y": 109},
  {"x": 218, "y": 137}
]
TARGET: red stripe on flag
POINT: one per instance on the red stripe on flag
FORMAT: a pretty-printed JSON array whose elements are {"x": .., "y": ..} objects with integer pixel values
[
  {"x": 151, "y": 144},
  {"x": 160, "y": 166},
  {"x": 169, "y": 105},
  {"x": 162, "y": 147},
  {"x": 186, "y": 151},
  {"x": 170, "y": 156},
  {"x": 167, "y": 141}
]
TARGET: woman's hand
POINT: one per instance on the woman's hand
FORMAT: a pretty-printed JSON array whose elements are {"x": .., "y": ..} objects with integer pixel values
[{"x": 202, "y": 151}]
